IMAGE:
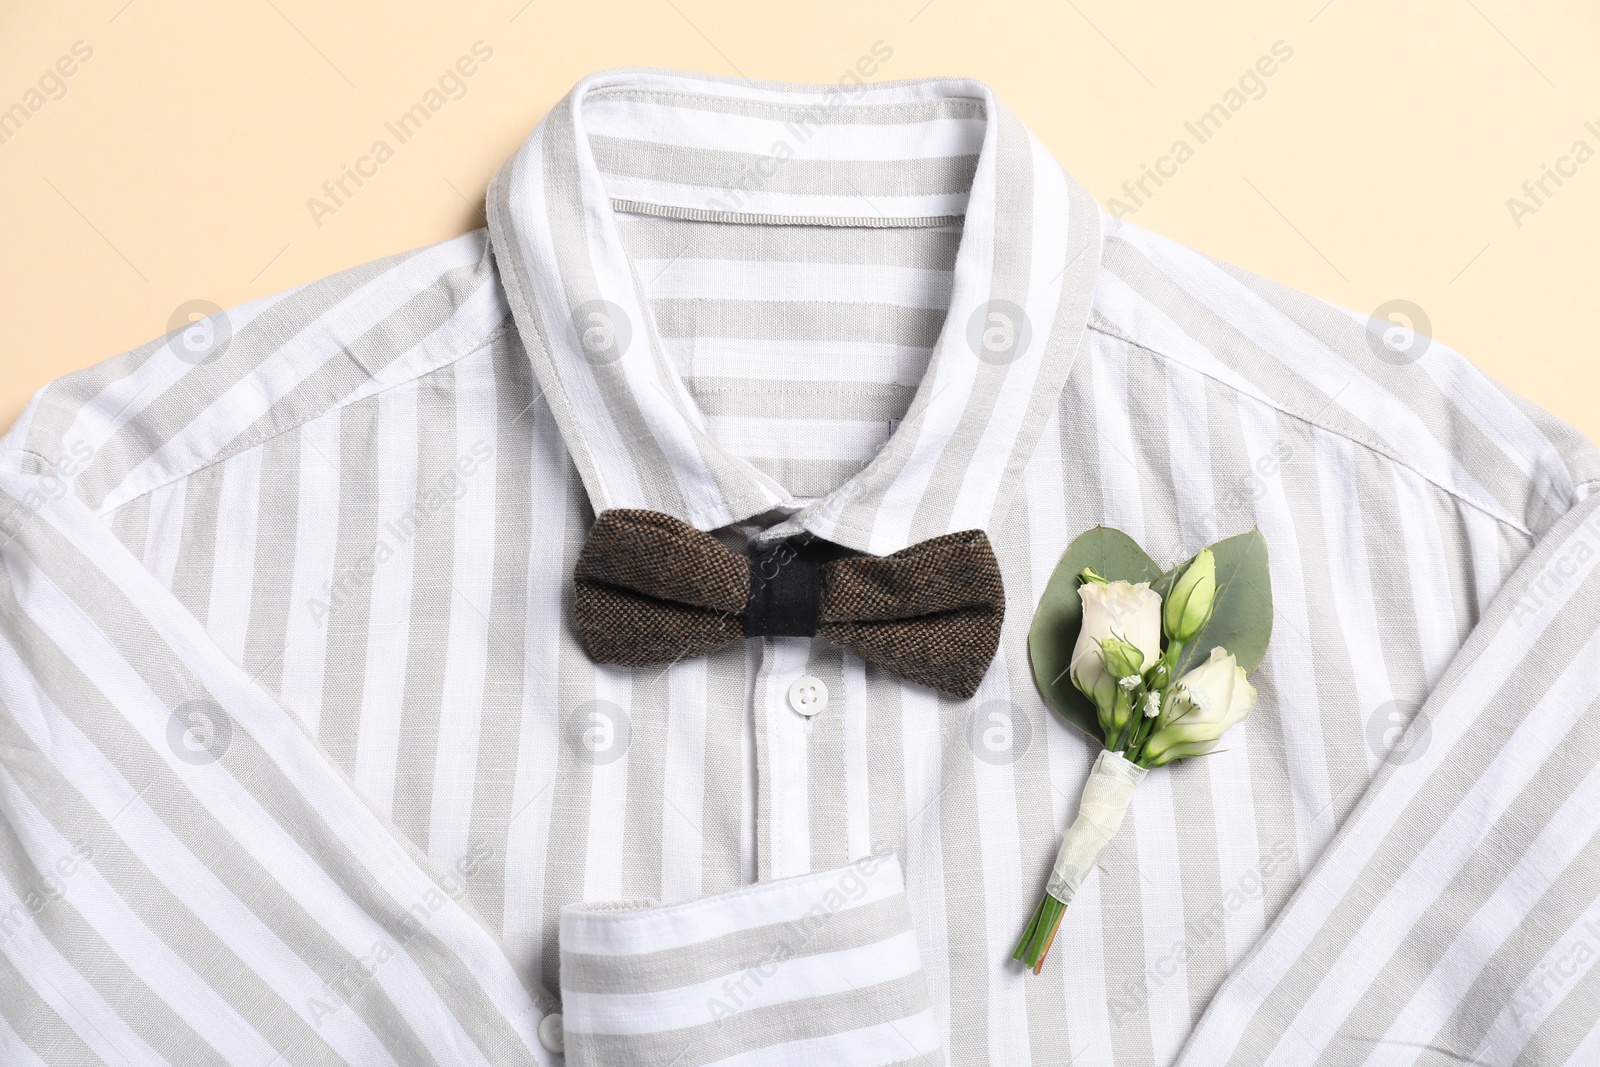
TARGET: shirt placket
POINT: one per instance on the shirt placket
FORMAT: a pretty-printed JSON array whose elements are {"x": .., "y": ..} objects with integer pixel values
[{"x": 802, "y": 710}]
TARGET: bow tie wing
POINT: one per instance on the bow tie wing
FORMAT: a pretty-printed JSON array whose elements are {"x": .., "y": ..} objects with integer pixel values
[
  {"x": 930, "y": 613},
  {"x": 649, "y": 589}
]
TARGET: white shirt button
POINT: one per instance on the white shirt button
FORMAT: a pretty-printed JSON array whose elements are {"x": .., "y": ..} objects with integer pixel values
[
  {"x": 551, "y": 1035},
  {"x": 808, "y": 695}
]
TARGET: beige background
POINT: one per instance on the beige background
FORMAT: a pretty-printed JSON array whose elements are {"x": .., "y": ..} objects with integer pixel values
[{"x": 1376, "y": 164}]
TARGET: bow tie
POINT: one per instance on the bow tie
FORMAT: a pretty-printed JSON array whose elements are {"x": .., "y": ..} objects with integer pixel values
[{"x": 651, "y": 590}]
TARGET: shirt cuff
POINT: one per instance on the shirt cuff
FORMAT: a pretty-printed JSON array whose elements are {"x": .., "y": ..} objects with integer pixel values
[{"x": 823, "y": 968}]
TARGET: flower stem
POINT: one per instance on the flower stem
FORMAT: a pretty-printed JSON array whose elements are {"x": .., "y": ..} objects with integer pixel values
[
  {"x": 1141, "y": 727},
  {"x": 1040, "y": 934}
]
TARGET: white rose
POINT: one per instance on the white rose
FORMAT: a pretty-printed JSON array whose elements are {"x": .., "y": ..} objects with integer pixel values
[
  {"x": 1211, "y": 698},
  {"x": 1115, "y": 609}
]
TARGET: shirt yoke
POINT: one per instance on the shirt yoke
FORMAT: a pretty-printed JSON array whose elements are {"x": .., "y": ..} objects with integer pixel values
[
  {"x": 186, "y": 401},
  {"x": 1405, "y": 396},
  {"x": 160, "y": 412}
]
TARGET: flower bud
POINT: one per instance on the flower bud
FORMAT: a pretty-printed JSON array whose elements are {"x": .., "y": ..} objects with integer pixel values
[
  {"x": 1123, "y": 661},
  {"x": 1121, "y": 712},
  {"x": 1211, "y": 698},
  {"x": 1104, "y": 695},
  {"x": 1192, "y": 599}
]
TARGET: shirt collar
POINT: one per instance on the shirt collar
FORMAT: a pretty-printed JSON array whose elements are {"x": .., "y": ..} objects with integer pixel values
[{"x": 1024, "y": 276}]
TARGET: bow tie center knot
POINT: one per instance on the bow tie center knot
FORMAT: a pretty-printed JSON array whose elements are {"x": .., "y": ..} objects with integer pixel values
[{"x": 785, "y": 591}]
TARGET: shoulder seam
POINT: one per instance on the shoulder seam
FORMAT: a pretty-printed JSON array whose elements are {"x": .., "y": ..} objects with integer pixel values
[
  {"x": 1100, "y": 324},
  {"x": 488, "y": 339}
]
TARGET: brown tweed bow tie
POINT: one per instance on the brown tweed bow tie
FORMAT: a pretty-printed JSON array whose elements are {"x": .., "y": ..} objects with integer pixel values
[{"x": 652, "y": 590}]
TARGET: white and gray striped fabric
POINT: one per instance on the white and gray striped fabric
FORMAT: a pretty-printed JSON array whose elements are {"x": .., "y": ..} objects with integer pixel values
[
  {"x": 819, "y": 968},
  {"x": 301, "y": 761}
]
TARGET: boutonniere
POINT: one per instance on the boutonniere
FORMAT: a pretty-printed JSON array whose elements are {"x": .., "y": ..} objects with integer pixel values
[{"x": 1153, "y": 665}]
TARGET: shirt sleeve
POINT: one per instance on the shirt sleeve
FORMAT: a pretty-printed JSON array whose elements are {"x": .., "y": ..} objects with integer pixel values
[
  {"x": 1455, "y": 917},
  {"x": 185, "y": 876}
]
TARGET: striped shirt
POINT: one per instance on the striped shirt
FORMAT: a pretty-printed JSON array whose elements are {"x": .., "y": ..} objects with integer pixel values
[{"x": 302, "y": 762}]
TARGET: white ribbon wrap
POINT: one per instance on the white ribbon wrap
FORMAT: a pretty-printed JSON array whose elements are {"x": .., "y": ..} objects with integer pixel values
[{"x": 1106, "y": 796}]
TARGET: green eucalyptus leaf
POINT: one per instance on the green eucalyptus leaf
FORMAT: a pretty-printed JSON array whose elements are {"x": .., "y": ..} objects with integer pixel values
[
  {"x": 1242, "y": 620},
  {"x": 1114, "y": 556}
]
